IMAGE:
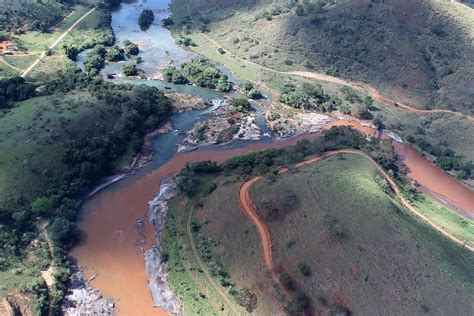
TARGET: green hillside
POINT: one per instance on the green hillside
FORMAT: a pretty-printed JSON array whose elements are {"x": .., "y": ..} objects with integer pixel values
[
  {"x": 419, "y": 51},
  {"x": 20, "y": 15}
]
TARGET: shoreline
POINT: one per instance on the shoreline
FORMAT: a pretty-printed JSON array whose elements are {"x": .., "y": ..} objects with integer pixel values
[{"x": 156, "y": 266}]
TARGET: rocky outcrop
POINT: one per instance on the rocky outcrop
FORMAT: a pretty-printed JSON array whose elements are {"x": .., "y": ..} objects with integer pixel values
[
  {"x": 85, "y": 300},
  {"x": 156, "y": 268}
]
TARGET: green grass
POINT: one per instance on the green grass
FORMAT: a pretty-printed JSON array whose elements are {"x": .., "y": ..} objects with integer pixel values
[
  {"x": 351, "y": 39},
  {"x": 34, "y": 134},
  {"x": 35, "y": 41},
  {"x": 445, "y": 129},
  {"x": 343, "y": 221},
  {"x": 7, "y": 71},
  {"x": 357, "y": 240},
  {"x": 452, "y": 222},
  {"x": 21, "y": 62},
  {"x": 187, "y": 280}
]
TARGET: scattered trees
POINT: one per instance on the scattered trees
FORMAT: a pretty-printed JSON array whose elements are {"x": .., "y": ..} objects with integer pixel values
[{"x": 200, "y": 72}]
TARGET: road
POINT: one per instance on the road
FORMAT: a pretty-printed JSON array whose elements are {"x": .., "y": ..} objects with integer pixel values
[
  {"x": 217, "y": 287},
  {"x": 360, "y": 86},
  {"x": 60, "y": 38},
  {"x": 249, "y": 209}
]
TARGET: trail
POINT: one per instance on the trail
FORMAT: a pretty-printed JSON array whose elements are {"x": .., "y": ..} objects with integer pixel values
[
  {"x": 204, "y": 268},
  {"x": 360, "y": 86},
  {"x": 9, "y": 65},
  {"x": 250, "y": 210},
  {"x": 47, "y": 275},
  {"x": 58, "y": 40}
]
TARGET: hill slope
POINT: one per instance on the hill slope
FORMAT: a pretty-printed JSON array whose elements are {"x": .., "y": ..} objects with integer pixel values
[{"x": 418, "y": 51}]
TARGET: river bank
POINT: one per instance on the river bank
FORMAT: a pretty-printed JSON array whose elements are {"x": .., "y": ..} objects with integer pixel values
[
  {"x": 114, "y": 246},
  {"x": 156, "y": 266}
]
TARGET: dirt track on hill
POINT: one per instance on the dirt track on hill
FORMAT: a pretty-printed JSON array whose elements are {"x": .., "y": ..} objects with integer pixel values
[
  {"x": 372, "y": 91},
  {"x": 250, "y": 210}
]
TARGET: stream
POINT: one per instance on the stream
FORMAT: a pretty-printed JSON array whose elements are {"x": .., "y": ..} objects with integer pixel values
[{"x": 114, "y": 242}]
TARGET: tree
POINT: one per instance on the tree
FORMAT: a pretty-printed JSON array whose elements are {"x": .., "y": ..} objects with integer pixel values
[
  {"x": 378, "y": 122},
  {"x": 115, "y": 53},
  {"x": 250, "y": 91},
  {"x": 63, "y": 232},
  {"x": 241, "y": 104},
  {"x": 361, "y": 111},
  {"x": 368, "y": 101},
  {"x": 145, "y": 19},
  {"x": 129, "y": 70},
  {"x": 130, "y": 48},
  {"x": 71, "y": 51},
  {"x": 44, "y": 205}
]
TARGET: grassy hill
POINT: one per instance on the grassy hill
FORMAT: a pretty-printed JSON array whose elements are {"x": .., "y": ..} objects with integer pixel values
[
  {"x": 53, "y": 148},
  {"x": 21, "y": 15},
  {"x": 339, "y": 242},
  {"x": 418, "y": 51}
]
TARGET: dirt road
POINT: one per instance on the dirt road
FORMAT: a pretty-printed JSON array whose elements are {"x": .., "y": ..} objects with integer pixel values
[
  {"x": 56, "y": 42},
  {"x": 217, "y": 287},
  {"x": 9, "y": 65},
  {"x": 360, "y": 86},
  {"x": 250, "y": 210}
]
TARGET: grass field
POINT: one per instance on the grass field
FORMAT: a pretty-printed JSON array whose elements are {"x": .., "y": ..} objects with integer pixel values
[
  {"x": 35, "y": 42},
  {"x": 360, "y": 249},
  {"x": 445, "y": 130},
  {"x": 406, "y": 49},
  {"x": 33, "y": 135}
]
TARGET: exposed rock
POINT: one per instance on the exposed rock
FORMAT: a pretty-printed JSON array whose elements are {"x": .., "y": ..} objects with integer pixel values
[
  {"x": 224, "y": 125},
  {"x": 186, "y": 102},
  {"x": 298, "y": 123},
  {"x": 85, "y": 300},
  {"x": 155, "y": 266}
]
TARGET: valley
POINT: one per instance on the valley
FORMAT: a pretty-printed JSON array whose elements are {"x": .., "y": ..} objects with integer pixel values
[{"x": 208, "y": 175}]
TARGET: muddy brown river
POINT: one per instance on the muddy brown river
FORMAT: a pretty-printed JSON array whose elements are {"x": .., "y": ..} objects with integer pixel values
[{"x": 113, "y": 246}]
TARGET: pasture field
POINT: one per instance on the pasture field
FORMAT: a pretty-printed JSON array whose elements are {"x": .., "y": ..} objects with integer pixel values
[
  {"x": 35, "y": 42},
  {"x": 405, "y": 49},
  {"x": 440, "y": 129},
  {"x": 33, "y": 135},
  {"x": 338, "y": 239}
]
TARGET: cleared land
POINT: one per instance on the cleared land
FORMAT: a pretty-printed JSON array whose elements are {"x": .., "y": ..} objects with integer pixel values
[
  {"x": 337, "y": 238},
  {"x": 416, "y": 51}
]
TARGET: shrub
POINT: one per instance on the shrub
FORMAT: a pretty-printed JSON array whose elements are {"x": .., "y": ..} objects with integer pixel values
[
  {"x": 130, "y": 48},
  {"x": 304, "y": 269},
  {"x": 129, "y": 69},
  {"x": 241, "y": 104},
  {"x": 146, "y": 18}
]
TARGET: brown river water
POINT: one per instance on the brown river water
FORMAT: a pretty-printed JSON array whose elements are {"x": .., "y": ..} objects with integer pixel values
[{"x": 111, "y": 250}]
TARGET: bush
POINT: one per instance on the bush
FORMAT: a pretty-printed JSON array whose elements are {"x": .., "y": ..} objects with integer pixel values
[
  {"x": 304, "y": 269},
  {"x": 241, "y": 104},
  {"x": 250, "y": 91},
  {"x": 145, "y": 19},
  {"x": 129, "y": 70},
  {"x": 115, "y": 53},
  {"x": 130, "y": 48}
]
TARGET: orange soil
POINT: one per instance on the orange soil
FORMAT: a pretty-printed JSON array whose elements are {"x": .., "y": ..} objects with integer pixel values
[{"x": 250, "y": 210}]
